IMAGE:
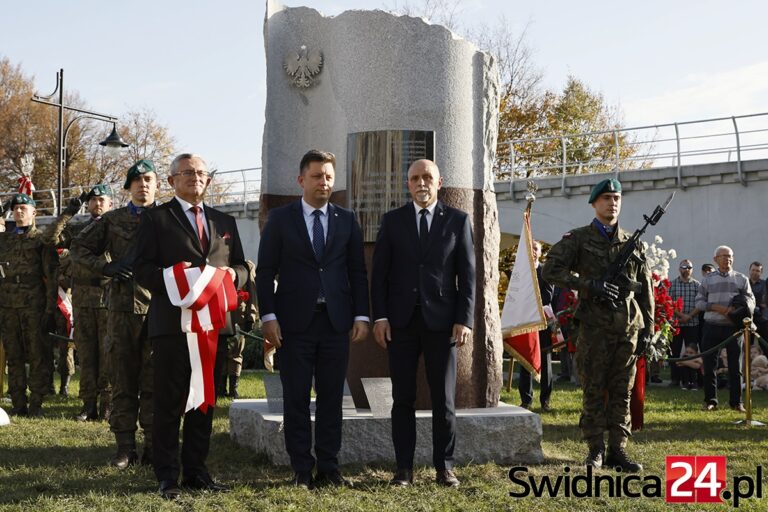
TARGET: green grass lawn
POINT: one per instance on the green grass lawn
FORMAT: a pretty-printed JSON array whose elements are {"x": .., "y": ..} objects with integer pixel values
[{"x": 59, "y": 464}]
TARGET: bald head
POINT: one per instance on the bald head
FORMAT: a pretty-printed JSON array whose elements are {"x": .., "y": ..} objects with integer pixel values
[{"x": 424, "y": 181}]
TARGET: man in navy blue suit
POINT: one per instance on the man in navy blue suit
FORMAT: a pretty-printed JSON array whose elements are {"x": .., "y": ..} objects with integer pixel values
[
  {"x": 315, "y": 251},
  {"x": 423, "y": 297}
]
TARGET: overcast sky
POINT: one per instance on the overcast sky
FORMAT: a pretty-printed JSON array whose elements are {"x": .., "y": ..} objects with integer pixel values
[{"x": 200, "y": 64}]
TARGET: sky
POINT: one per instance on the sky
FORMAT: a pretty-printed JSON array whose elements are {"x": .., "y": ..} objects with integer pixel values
[{"x": 199, "y": 65}]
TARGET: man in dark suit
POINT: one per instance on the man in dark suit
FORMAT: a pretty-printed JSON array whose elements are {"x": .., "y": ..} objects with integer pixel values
[
  {"x": 182, "y": 230},
  {"x": 315, "y": 251},
  {"x": 525, "y": 384},
  {"x": 423, "y": 297}
]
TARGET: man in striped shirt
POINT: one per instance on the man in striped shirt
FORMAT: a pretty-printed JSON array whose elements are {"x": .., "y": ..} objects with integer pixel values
[{"x": 715, "y": 294}]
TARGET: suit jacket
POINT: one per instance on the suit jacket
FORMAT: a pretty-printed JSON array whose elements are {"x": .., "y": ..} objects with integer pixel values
[
  {"x": 166, "y": 237},
  {"x": 442, "y": 279},
  {"x": 286, "y": 254}
]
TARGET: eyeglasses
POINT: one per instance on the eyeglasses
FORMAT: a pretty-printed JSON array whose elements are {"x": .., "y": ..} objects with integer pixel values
[
  {"x": 685, "y": 267},
  {"x": 189, "y": 173}
]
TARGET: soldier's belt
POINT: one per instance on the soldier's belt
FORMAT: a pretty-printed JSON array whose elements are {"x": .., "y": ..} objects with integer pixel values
[
  {"x": 82, "y": 281},
  {"x": 22, "y": 279}
]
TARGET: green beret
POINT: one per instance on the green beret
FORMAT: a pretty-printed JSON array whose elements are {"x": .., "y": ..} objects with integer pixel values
[
  {"x": 609, "y": 185},
  {"x": 143, "y": 166},
  {"x": 99, "y": 190},
  {"x": 22, "y": 199}
]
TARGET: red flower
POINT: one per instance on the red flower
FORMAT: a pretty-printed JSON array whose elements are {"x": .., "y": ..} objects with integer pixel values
[{"x": 243, "y": 296}]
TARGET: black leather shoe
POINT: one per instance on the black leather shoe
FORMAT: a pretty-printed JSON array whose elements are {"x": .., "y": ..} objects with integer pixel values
[
  {"x": 595, "y": 457},
  {"x": 526, "y": 405},
  {"x": 125, "y": 458},
  {"x": 169, "y": 489},
  {"x": 333, "y": 478},
  {"x": 35, "y": 411},
  {"x": 546, "y": 407},
  {"x": 204, "y": 483},
  {"x": 302, "y": 479},
  {"x": 618, "y": 458},
  {"x": 402, "y": 478},
  {"x": 446, "y": 478}
]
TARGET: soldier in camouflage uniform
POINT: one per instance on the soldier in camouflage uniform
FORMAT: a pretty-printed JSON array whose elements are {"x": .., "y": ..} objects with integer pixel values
[
  {"x": 245, "y": 317},
  {"x": 89, "y": 292},
  {"x": 27, "y": 305},
  {"x": 130, "y": 354},
  {"x": 608, "y": 340}
]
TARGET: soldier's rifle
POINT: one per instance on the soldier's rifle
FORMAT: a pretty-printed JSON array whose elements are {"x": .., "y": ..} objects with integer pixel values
[{"x": 615, "y": 273}]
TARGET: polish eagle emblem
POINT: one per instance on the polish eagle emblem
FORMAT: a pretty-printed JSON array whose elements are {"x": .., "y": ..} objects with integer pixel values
[{"x": 303, "y": 65}]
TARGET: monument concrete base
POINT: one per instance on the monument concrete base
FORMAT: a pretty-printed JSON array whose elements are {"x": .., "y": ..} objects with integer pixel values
[{"x": 505, "y": 435}]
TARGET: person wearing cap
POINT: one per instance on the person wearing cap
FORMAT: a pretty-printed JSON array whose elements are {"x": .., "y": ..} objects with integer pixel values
[
  {"x": 684, "y": 287},
  {"x": 89, "y": 293},
  {"x": 610, "y": 336},
  {"x": 106, "y": 247},
  {"x": 27, "y": 305}
]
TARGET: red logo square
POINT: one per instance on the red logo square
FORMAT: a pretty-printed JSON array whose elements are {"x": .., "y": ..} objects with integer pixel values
[{"x": 695, "y": 479}]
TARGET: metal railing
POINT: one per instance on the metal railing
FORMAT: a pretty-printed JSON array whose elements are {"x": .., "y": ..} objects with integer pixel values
[
  {"x": 227, "y": 187},
  {"x": 722, "y": 139}
]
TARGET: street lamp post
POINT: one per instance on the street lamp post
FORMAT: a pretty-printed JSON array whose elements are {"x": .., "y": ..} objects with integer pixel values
[{"x": 113, "y": 141}]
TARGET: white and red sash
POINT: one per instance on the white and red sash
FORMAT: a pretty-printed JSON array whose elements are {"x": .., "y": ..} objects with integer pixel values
[
  {"x": 204, "y": 296},
  {"x": 65, "y": 306}
]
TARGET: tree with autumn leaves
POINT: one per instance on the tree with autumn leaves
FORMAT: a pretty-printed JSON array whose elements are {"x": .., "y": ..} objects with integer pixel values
[{"x": 29, "y": 134}]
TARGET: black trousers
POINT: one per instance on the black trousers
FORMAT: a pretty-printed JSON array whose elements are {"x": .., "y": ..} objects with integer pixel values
[
  {"x": 525, "y": 384},
  {"x": 170, "y": 358},
  {"x": 688, "y": 334},
  {"x": 323, "y": 353},
  {"x": 440, "y": 364},
  {"x": 713, "y": 335}
]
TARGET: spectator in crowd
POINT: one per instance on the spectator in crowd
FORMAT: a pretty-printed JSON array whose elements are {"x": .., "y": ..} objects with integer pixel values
[
  {"x": 714, "y": 297},
  {"x": 758, "y": 287},
  {"x": 525, "y": 384},
  {"x": 707, "y": 268},
  {"x": 684, "y": 287},
  {"x": 689, "y": 371},
  {"x": 560, "y": 302}
]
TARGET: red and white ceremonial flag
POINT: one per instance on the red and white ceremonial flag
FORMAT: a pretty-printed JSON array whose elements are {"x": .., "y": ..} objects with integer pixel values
[
  {"x": 523, "y": 316},
  {"x": 26, "y": 186},
  {"x": 205, "y": 295},
  {"x": 65, "y": 307}
]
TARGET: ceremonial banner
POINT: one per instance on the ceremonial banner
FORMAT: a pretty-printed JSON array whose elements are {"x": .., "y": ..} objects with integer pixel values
[
  {"x": 65, "y": 306},
  {"x": 26, "y": 186},
  {"x": 205, "y": 295},
  {"x": 523, "y": 316}
]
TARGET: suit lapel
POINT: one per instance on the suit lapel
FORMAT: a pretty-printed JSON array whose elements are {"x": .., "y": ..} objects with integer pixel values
[
  {"x": 178, "y": 213},
  {"x": 437, "y": 225},
  {"x": 212, "y": 231},
  {"x": 333, "y": 218},
  {"x": 409, "y": 220},
  {"x": 301, "y": 226}
]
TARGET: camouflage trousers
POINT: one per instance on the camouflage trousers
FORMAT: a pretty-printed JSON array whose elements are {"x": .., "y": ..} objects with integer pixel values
[
  {"x": 24, "y": 343},
  {"x": 236, "y": 344},
  {"x": 93, "y": 351},
  {"x": 606, "y": 366},
  {"x": 130, "y": 362}
]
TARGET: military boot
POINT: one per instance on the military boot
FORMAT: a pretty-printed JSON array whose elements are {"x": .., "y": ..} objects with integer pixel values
[
  {"x": 35, "y": 406},
  {"x": 64, "y": 387},
  {"x": 617, "y": 458},
  {"x": 89, "y": 412},
  {"x": 126, "y": 451},
  {"x": 234, "y": 380},
  {"x": 595, "y": 455}
]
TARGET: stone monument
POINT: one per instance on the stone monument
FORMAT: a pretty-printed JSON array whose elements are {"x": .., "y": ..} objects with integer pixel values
[{"x": 379, "y": 91}]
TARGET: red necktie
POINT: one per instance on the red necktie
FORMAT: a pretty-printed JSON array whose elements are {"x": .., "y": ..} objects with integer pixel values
[{"x": 200, "y": 228}]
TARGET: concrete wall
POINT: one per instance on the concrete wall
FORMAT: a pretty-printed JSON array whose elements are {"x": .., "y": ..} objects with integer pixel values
[{"x": 714, "y": 209}]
